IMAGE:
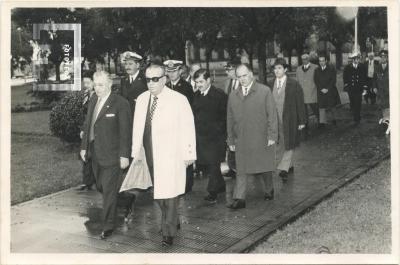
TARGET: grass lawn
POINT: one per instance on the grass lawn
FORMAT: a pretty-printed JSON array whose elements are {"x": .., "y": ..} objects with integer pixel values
[
  {"x": 356, "y": 219},
  {"x": 20, "y": 96},
  {"x": 42, "y": 165},
  {"x": 36, "y": 122}
]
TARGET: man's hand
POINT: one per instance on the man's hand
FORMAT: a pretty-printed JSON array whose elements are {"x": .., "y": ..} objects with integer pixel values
[
  {"x": 302, "y": 126},
  {"x": 324, "y": 90},
  {"x": 83, "y": 155},
  {"x": 124, "y": 162},
  {"x": 375, "y": 90},
  {"x": 81, "y": 134},
  {"x": 188, "y": 162},
  {"x": 270, "y": 142},
  {"x": 232, "y": 148}
]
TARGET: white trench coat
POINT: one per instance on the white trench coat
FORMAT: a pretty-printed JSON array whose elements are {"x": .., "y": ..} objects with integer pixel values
[{"x": 173, "y": 137}]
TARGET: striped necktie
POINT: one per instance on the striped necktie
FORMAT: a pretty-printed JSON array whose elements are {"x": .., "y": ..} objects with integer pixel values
[{"x": 153, "y": 107}]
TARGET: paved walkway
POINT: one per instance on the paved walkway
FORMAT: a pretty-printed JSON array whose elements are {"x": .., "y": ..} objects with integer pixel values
[{"x": 68, "y": 221}]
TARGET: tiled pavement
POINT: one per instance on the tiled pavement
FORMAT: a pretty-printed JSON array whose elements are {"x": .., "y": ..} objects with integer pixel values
[{"x": 68, "y": 221}]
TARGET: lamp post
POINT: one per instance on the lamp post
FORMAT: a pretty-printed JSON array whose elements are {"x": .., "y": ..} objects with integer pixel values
[
  {"x": 355, "y": 10},
  {"x": 348, "y": 13},
  {"x": 19, "y": 29}
]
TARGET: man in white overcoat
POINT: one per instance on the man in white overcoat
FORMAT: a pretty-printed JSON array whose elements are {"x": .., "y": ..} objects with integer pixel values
[{"x": 164, "y": 128}]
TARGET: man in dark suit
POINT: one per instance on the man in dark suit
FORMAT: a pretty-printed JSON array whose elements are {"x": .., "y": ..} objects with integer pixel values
[
  {"x": 107, "y": 142},
  {"x": 209, "y": 109},
  {"x": 173, "y": 71},
  {"x": 133, "y": 84},
  {"x": 354, "y": 79},
  {"x": 231, "y": 84},
  {"x": 381, "y": 87},
  {"x": 88, "y": 91}
]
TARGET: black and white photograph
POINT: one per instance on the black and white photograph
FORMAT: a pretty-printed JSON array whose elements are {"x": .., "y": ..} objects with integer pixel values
[{"x": 194, "y": 128}]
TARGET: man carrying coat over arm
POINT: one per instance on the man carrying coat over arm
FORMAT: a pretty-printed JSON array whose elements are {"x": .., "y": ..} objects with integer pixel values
[
  {"x": 164, "y": 126},
  {"x": 106, "y": 141}
]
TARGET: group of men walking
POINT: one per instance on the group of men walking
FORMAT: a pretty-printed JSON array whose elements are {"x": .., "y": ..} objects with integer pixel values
[{"x": 171, "y": 117}]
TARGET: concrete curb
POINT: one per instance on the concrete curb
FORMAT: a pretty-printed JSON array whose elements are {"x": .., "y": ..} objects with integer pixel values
[{"x": 246, "y": 244}]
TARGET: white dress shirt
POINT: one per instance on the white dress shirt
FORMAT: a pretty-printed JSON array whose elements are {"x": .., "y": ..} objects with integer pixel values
[
  {"x": 204, "y": 93},
  {"x": 244, "y": 88},
  {"x": 280, "y": 82},
  {"x": 133, "y": 77},
  {"x": 101, "y": 102}
]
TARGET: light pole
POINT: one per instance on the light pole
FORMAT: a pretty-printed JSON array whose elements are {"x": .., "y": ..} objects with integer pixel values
[
  {"x": 19, "y": 29},
  {"x": 355, "y": 10},
  {"x": 349, "y": 13}
]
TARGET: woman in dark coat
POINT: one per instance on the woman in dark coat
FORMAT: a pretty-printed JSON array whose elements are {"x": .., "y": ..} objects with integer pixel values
[
  {"x": 328, "y": 95},
  {"x": 289, "y": 101}
]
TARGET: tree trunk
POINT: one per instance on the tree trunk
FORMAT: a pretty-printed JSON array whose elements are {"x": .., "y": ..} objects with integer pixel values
[
  {"x": 57, "y": 65},
  {"x": 208, "y": 56},
  {"x": 109, "y": 62},
  {"x": 250, "y": 53},
  {"x": 339, "y": 56},
  {"x": 262, "y": 57},
  {"x": 290, "y": 59}
]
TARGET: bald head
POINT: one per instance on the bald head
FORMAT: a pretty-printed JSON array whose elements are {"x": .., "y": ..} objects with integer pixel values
[{"x": 244, "y": 74}]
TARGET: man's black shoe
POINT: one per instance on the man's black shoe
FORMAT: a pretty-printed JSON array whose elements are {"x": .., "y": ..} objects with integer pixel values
[
  {"x": 129, "y": 208},
  {"x": 84, "y": 187},
  {"x": 269, "y": 196},
  {"x": 167, "y": 241},
  {"x": 238, "y": 204},
  {"x": 107, "y": 233},
  {"x": 211, "y": 198},
  {"x": 284, "y": 175}
]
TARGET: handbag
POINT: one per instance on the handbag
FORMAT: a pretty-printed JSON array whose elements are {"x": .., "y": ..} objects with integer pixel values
[{"x": 137, "y": 177}]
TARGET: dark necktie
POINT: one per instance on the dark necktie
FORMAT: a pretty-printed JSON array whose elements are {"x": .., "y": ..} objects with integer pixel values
[{"x": 93, "y": 121}]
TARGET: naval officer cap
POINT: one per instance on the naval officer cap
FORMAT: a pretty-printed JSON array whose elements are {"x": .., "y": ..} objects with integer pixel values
[
  {"x": 128, "y": 55},
  {"x": 172, "y": 65}
]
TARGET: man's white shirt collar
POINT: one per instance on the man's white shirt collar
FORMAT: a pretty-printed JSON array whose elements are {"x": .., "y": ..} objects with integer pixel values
[
  {"x": 175, "y": 82},
  {"x": 206, "y": 91},
  {"x": 307, "y": 65},
  {"x": 248, "y": 88},
  {"x": 132, "y": 78},
  {"x": 282, "y": 79}
]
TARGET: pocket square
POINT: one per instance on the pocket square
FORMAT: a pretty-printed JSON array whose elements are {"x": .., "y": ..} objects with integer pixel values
[{"x": 110, "y": 115}]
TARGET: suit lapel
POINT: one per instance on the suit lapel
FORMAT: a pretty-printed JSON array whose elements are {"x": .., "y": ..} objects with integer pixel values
[
  {"x": 106, "y": 106},
  {"x": 239, "y": 92}
]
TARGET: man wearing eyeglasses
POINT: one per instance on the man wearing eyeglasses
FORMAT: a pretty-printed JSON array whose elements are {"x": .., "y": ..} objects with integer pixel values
[{"x": 164, "y": 127}]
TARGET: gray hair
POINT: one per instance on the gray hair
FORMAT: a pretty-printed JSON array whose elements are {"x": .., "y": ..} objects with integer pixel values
[{"x": 104, "y": 74}]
